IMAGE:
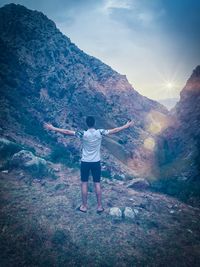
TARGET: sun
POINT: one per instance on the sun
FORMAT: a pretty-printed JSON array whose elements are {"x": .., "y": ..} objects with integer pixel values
[{"x": 169, "y": 85}]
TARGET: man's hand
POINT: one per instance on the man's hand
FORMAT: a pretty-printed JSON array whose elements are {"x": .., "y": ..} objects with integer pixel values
[
  {"x": 128, "y": 124},
  {"x": 118, "y": 129},
  {"x": 48, "y": 126}
]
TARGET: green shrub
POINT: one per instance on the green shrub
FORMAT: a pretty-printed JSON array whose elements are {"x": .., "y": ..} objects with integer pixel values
[
  {"x": 42, "y": 171},
  {"x": 106, "y": 174},
  {"x": 8, "y": 148},
  {"x": 60, "y": 154},
  {"x": 118, "y": 177},
  {"x": 184, "y": 190}
]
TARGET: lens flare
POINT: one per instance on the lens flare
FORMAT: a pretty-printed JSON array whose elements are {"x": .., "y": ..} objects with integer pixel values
[
  {"x": 149, "y": 143},
  {"x": 157, "y": 122}
]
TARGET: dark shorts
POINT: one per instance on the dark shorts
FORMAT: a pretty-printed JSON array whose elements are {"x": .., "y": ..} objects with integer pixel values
[{"x": 95, "y": 168}]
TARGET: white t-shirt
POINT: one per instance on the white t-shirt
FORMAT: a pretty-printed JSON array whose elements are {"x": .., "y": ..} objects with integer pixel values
[{"x": 91, "y": 143}]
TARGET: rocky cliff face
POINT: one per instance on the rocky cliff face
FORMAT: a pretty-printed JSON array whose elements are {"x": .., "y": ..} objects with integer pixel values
[
  {"x": 45, "y": 77},
  {"x": 179, "y": 148}
]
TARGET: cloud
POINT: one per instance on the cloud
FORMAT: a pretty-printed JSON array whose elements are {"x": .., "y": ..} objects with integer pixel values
[{"x": 111, "y": 4}]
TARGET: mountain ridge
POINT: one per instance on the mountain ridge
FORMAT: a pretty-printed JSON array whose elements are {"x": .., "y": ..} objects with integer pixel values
[
  {"x": 54, "y": 80},
  {"x": 49, "y": 79}
]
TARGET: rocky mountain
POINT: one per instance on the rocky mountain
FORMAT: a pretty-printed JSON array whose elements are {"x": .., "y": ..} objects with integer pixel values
[
  {"x": 179, "y": 145},
  {"x": 45, "y": 77}
]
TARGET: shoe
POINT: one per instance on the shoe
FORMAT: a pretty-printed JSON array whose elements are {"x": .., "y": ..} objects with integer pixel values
[
  {"x": 79, "y": 209},
  {"x": 100, "y": 211}
]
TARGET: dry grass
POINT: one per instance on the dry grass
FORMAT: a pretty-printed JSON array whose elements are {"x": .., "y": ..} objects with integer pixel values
[{"x": 40, "y": 226}]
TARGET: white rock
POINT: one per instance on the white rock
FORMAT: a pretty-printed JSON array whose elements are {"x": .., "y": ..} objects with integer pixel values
[
  {"x": 120, "y": 182},
  {"x": 129, "y": 213},
  {"x": 4, "y": 141},
  {"x": 26, "y": 159},
  {"x": 136, "y": 211},
  {"x": 5, "y": 171},
  {"x": 171, "y": 211},
  {"x": 115, "y": 211}
]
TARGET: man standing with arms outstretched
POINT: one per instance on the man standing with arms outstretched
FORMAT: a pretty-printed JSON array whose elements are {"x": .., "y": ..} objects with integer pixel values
[{"x": 91, "y": 158}]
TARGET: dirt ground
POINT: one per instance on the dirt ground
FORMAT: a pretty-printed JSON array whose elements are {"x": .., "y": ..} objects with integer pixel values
[{"x": 40, "y": 226}]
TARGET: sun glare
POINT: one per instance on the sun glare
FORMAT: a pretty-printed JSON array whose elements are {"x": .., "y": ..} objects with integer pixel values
[
  {"x": 169, "y": 85},
  {"x": 157, "y": 122},
  {"x": 149, "y": 143}
]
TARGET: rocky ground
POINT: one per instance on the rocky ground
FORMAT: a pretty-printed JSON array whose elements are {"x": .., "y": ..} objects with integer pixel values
[{"x": 40, "y": 225}]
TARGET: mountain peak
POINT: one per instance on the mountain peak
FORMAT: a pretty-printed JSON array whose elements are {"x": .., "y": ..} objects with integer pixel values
[
  {"x": 193, "y": 84},
  {"x": 19, "y": 21},
  {"x": 196, "y": 72}
]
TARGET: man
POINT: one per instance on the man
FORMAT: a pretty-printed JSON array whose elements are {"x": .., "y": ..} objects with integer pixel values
[{"x": 90, "y": 160}]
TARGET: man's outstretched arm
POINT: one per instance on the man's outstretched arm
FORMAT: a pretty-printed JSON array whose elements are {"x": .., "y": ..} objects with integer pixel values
[
  {"x": 118, "y": 129},
  {"x": 49, "y": 126}
]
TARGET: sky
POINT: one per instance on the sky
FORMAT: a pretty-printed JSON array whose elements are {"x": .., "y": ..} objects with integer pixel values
[{"x": 155, "y": 43}]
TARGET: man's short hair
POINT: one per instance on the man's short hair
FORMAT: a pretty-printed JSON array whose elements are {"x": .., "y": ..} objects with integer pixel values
[{"x": 90, "y": 121}]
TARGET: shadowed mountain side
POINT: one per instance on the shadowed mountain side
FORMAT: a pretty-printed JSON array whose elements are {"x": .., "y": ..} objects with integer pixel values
[
  {"x": 179, "y": 146},
  {"x": 45, "y": 77}
]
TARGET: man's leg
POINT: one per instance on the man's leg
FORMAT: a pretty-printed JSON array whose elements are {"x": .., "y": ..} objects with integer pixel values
[
  {"x": 85, "y": 171},
  {"x": 97, "y": 187},
  {"x": 84, "y": 192},
  {"x": 96, "y": 173}
]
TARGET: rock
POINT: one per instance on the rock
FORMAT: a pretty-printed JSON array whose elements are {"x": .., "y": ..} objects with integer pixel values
[
  {"x": 139, "y": 183},
  {"x": 4, "y": 141},
  {"x": 5, "y": 171},
  {"x": 116, "y": 212},
  {"x": 27, "y": 160},
  {"x": 120, "y": 177},
  {"x": 60, "y": 186},
  {"x": 43, "y": 183},
  {"x": 190, "y": 231},
  {"x": 129, "y": 213},
  {"x": 120, "y": 182},
  {"x": 135, "y": 211}
]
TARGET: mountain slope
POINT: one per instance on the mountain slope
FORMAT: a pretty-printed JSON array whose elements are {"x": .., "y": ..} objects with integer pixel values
[
  {"x": 45, "y": 77},
  {"x": 40, "y": 226},
  {"x": 179, "y": 149}
]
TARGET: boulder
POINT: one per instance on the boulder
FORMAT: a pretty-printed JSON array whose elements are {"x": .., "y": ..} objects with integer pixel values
[
  {"x": 139, "y": 183},
  {"x": 136, "y": 211},
  {"x": 116, "y": 212},
  {"x": 119, "y": 177},
  {"x": 27, "y": 160},
  {"x": 129, "y": 213}
]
